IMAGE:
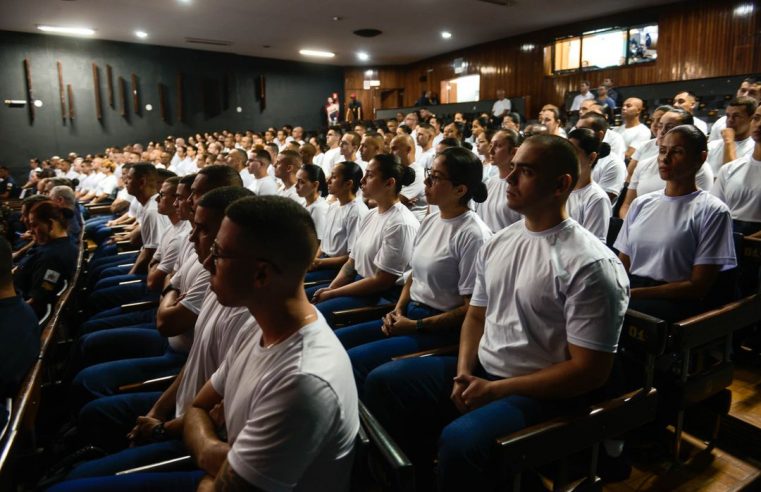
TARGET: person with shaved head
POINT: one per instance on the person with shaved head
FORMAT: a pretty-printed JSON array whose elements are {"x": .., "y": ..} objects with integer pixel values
[{"x": 633, "y": 131}]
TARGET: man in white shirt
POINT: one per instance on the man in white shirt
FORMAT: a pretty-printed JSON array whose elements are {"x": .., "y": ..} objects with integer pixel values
[
  {"x": 583, "y": 95},
  {"x": 287, "y": 165},
  {"x": 687, "y": 101},
  {"x": 237, "y": 159},
  {"x": 143, "y": 185},
  {"x": 633, "y": 131},
  {"x": 541, "y": 331},
  {"x": 735, "y": 139},
  {"x": 748, "y": 88},
  {"x": 333, "y": 155},
  {"x": 349, "y": 146},
  {"x": 262, "y": 184},
  {"x": 412, "y": 196},
  {"x": 425, "y": 139},
  {"x": 501, "y": 106}
]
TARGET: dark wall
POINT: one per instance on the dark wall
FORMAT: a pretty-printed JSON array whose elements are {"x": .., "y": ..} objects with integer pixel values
[{"x": 295, "y": 93}]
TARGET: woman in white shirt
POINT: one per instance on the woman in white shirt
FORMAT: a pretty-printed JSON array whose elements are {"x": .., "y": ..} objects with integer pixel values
[
  {"x": 676, "y": 241},
  {"x": 311, "y": 186},
  {"x": 105, "y": 190},
  {"x": 435, "y": 297},
  {"x": 383, "y": 247},
  {"x": 588, "y": 204},
  {"x": 341, "y": 222}
]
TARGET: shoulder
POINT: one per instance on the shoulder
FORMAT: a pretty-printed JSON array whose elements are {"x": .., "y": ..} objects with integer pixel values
[{"x": 711, "y": 203}]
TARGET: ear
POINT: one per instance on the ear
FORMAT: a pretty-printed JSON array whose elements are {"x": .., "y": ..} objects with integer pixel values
[
  {"x": 262, "y": 275},
  {"x": 564, "y": 184}
]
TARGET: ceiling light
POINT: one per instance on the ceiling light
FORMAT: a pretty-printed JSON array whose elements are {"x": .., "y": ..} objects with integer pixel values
[
  {"x": 363, "y": 56},
  {"x": 446, "y": 34},
  {"x": 744, "y": 9},
  {"x": 141, "y": 34},
  {"x": 369, "y": 73},
  {"x": 72, "y": 31},
  {"x": 527, "y": 47},
  {"x": 317, "y": 53}
]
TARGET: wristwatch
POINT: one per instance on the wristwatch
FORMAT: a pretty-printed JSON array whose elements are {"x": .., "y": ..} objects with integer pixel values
[
  {"x": 419, "y": 325},
  {"x": 159, "y": 432}
]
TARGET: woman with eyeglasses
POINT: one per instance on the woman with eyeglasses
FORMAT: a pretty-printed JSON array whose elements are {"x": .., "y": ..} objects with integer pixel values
[
  {"x": 311, "y": 186},
  {"x": 341, "y": 223},
  {"x": 435, "y": 297},
  {"x": 675, "y": 242},
  {"x": 383, "y": 247}
]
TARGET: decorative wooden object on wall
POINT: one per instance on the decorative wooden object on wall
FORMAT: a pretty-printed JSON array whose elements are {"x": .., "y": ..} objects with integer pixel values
[
  {"x": 70, "y": 93},
  {"x": 226, "y": 92},
  {"x": 29, "y": 99},
  {"x": 61, "y": 95},
  {"x": 262, "y": 92},
  {"x": 96, "y": 86},
  {"x": 180, "y": 105},
  {"x": 123, "y": 96},
  {"x": 162, "y": 102},
  {"x": 110, "y": 83},
  {"x": 135, "y": 95}
]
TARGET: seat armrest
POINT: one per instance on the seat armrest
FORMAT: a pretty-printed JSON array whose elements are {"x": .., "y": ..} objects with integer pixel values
[
  {"x": 138, "y": 306},
  {"x": 359, "y": 315},
  {"x": 448, "y": 350},
  {"x": 157, "y": 384},
  {"x": 174, "y": 464}
]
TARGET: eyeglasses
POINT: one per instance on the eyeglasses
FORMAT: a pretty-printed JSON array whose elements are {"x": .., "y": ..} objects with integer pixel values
[
  {"x": 215, "y": 255},
  {"x": 162, "y": 194},
  {"x": 434, "y": 178}
]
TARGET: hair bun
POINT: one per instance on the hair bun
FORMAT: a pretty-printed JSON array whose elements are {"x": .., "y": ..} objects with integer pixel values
[
  {"x": 479, "y": 192},
  {"x": 604, "y": 150},
  {"x": 408, "y": 176}
]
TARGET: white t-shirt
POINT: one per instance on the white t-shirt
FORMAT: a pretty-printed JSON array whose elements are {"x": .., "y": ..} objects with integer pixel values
[
  {"x": 107, "y": 185},
  {"x": 646, "y": 177},
  {"x": 246, "y": 177},
  {"x": 134, "y": 207},
  {"x": 664, "y": 236},
  {"x": 489, "y": 171},
  {"x": 192, "y": 280},
  {"x": 152, "y": 224},
  {"x": 634, "y": 136},
  {"x": 341, "y": 225},
  {"x": 616, "y": 142},
  {"x": 416, "y": 192},
  {"x": 169, "y": 249},
  {"x": 218, "y": 330},
  {"x": 580, "y": 98},
  {"x": 385, "y": 241},
  {"x": 293, "y": 195},
  {"x": 716, "y": 129},
  {"x": 590, "y": 207},
  {"x": 263, "y": 186},
  {"x": 186, "y": 249},
  {"x": 443, "y": 259},
  {"x": 702, "y": 125},
  {"x": 501, "y": 106},
  {"x": 645, "y": 151},
  {"x": 290, "y": 410},
  {"x": 716, "y": 152},
  {"x": 331, "y": 158},
  {"x": 185, "y": 167},
  {"x": 544, "y": 290},
  {"x": 610, "y": 174},
  {"x": 739, "y": 186},
  {"x": 494, "y": 210},
  {"x": 425, "y": 158},
  {"x": 318, "y": 210}
]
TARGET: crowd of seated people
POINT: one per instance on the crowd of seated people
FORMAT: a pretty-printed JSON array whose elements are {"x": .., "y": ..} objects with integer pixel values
[{"x": 489, "y": 234}]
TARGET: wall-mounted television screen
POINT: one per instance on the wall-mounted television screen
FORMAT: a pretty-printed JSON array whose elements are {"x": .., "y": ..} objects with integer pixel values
[
  {"x": 603, "y": 49},
  {"x": 643, "y": 44}
]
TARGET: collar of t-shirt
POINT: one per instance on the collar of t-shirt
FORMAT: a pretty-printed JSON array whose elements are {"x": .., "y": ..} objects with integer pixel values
[{"x": 548, "y": 232}]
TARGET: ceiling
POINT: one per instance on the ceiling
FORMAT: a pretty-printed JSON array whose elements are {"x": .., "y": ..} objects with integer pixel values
[{"x": 411, "y": 28}]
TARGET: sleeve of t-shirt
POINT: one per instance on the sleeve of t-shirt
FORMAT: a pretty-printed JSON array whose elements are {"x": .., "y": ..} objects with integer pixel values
[
  {"x": 362, "y": 224},
  {"x": 635, "y": 176},
  {"x": 169, "y": 256},
  {"x": 597, "y": 218},
  {"x": 108, "y": 185},
  {"x": 396, "y": 249},
  {"x": 284, "y": 433},
  {"x": 717, "y": 189},
  {"x": 704, "y": 177},
  {"x": 622, "y": 241},
  {"x": 352, "y": 223},
  {"x": 219, "y": 376},
  {"x": 416, "y": 188},
  {"x": 193, "y": 298},
  {"x": 150, "y": 229},
  {"x": 639, "y": 138},
  {"x": 716, "y": 243},
  {"x": 613, "y": 178},
  {"x": 467, "y": 251},
  {"x": 480, "y": 295},
  {"x": 595, "y": 305}
]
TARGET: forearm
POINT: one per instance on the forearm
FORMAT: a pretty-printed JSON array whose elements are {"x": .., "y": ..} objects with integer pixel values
[
  {"x": 562, "y": 380},
  {"x": 165, "y": 405},
  {"x": 331, "y": 262},
  {"x": 155, "y": 279},
  {"x": 470, "y": 336},
  {"x": 730, "y": 151},
  {"x": 345, "y": 275},
  {"x": 173, "y": 318},
  {"x": 364, "y": 287},
  {"x": 447, "y": 321},
  {"x": 208, "y": 451},
  {"x": 141, "y": 263},
  {"x": 683, "y": 290},
  {"x": 404, "y": 297}
]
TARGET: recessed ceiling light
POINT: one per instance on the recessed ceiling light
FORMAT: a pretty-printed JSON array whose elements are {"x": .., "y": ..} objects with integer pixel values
[
  {"x": 369, "y": 73},
  {"x": 141, "y": 34},
  {"x": 184, "y": 1},
  {"x": 72, "y": 31},
  {"x": 317, "y": 53},
  {"x": 363, "y": 56},
  {"x": 446, "y": 34}
]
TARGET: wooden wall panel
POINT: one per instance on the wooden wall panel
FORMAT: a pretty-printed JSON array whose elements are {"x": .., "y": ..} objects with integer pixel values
[{"x": 696, "y": 40}]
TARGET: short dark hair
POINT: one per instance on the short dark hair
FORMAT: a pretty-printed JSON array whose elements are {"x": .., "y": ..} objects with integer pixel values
[
  {"x": 280, "y": 227},
  {"x": 696, "y": 139},
  {"x": 748, "y": 103},
  {"x": 162, "y": 175},
  {"x": 220, "y": 175},
  {"x": 559, "y": 153},
  {"x": 351, "y": 170},
  {"x": 145, "y": 170},
  {"x": 599, "y": 122},
  {"x": 172, "y": 181},
  {"x": 315, "y": 173},
  {"x": 219, "y": 199},
  {"x": 187, "y": 179},
  {"x": 685, "y": 118},
  {"x": 450, "y": 142}
]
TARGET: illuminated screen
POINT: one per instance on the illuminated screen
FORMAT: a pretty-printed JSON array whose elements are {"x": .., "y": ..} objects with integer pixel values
[
  {"x": 603, "y": 49},
  {"x": 567, "y": 54},
  {"x": 643, "y": 44}
]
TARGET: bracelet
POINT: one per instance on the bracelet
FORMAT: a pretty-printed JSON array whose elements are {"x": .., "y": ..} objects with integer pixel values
[
  {"x": 168, "y": 288},
  {"x": 159, "y": 432}
]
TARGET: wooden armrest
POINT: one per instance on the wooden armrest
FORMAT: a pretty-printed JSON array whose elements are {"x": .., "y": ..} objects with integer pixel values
[
  {"x": 315, "y": 283},
  {"x": 563, "y": 436},
  {"x": 644, "y": 332},
  {"x": 125, "y": 252},
  {"x": 718, "y": 323},
  {"x": 129, "y": 282},
  {"x": 156, "y": 384},
  {"x": 391, "y": 453},
  {"x": 448, "y": 350},
  {"x": 126, "y": 247},
  {"x": 138, "y": 306},
  {"x": 359, "y": 315},
  {"x": 97, "y": 209},
  {"x": 163, "y": 466}
]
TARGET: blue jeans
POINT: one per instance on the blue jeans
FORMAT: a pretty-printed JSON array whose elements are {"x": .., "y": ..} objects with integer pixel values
[
  {"x": 321, "y": 275},
  {"x": 121, "y": 343},
  {"x": 369, "y": 347},
  {"x": 104, "y": 379},
  {"x": 106, "y": 296},
  {"x": 327, "y": 308},
  {"x": 106, "y": 421},
  {"x": 186, "y": 481},
  {"x": 115, "y": 318},
  {"x": 411, "y": 399}
]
